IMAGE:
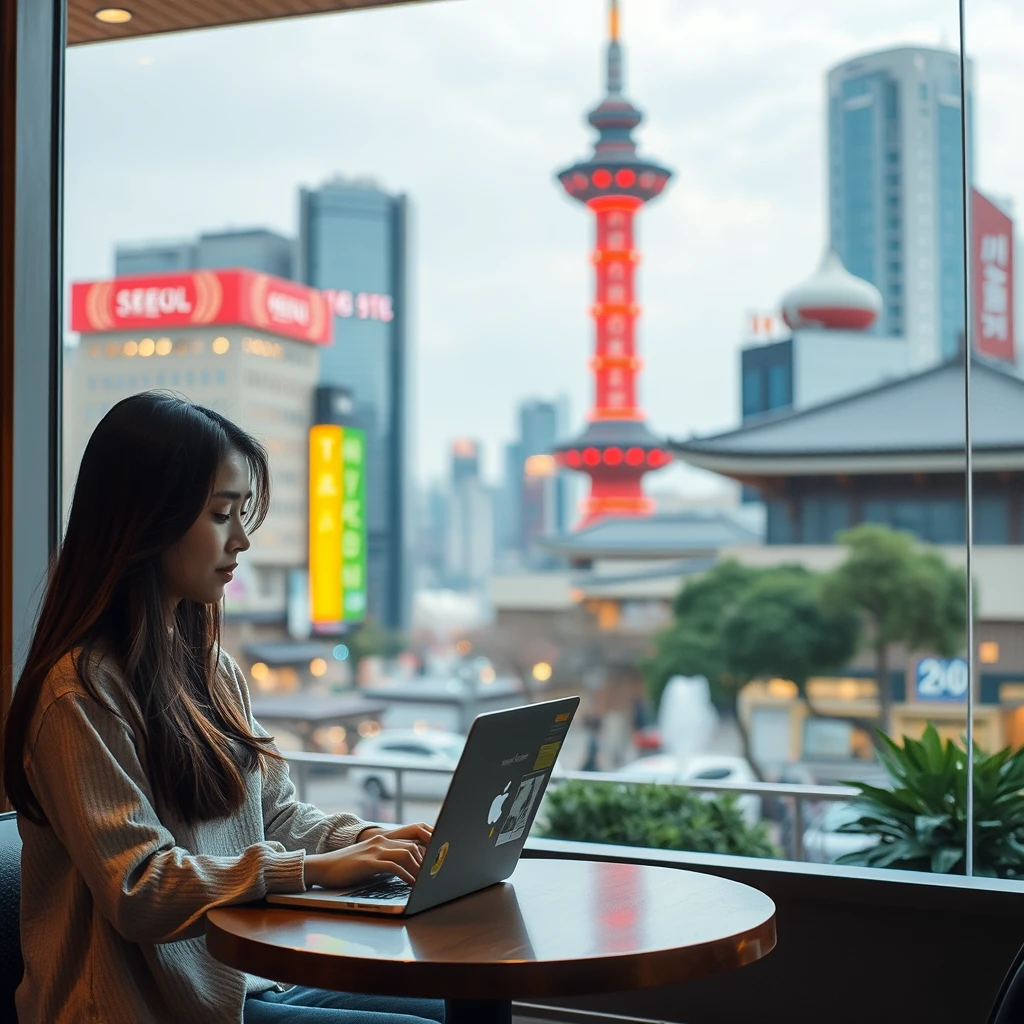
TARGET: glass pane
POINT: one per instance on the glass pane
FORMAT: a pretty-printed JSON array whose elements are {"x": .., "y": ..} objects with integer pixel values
[
  {"x": 621, "y": 358},
  {"x": 997, "y": 398}
]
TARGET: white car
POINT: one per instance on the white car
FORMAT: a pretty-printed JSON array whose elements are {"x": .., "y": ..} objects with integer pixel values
[
  {"x": 698, "y": 767},
  {"x": 823, "y": 844},
  {"x": 408, "y": 748}
]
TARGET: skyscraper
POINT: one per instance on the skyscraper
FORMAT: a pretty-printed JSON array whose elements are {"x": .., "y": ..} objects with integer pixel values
[
  {"x": 469, "y": 526},
  {"x": 353, "y": 241},
  {"x": 895, "y": 193},
  {"x": 252, "y": 249},
  {"x": 541, "y": 424},
  {"x": 465, "y": 460}
]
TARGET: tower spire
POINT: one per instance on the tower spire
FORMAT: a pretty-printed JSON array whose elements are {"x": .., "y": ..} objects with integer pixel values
[
  {"x": 616, "y": 448},
  {"x": 614, "y": 77}
]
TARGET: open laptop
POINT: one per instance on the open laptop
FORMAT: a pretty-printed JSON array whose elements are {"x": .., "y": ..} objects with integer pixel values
[{"x": 484, "y": 820}]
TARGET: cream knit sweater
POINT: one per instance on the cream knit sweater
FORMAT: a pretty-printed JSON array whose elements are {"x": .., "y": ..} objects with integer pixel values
[{"x": 115, "y": 890}]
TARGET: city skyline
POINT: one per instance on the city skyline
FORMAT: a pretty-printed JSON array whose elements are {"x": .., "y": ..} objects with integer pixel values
[{"x": 502, "y": 286}]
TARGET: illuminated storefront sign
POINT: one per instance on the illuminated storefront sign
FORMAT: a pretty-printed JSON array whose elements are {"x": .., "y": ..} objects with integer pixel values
[
  {"x": 337, "y": 525},
  {"x": 992, "y": 278},
  {"x": 940, "y": 679},
  {"x": 202, "y": 297},
  {"x": 361, "y": 305}
]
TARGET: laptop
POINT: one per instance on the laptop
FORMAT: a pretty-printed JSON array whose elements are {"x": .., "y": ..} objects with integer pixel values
[{"x": 483, "y": 823}]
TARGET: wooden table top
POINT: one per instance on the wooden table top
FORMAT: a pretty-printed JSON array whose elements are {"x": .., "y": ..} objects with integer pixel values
[{"x": 557, "y": 927}]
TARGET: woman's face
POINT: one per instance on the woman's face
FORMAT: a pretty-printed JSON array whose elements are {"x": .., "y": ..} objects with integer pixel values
[{"x": 199, "y": 566}]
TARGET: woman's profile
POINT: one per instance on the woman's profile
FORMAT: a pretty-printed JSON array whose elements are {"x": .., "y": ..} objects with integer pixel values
[{"x": 146, "y": 791}]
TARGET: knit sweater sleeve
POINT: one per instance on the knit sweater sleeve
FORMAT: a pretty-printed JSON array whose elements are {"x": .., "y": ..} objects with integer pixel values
[
  {"x": 286, "y": 820},
  {"x": 85, "y": 772}
]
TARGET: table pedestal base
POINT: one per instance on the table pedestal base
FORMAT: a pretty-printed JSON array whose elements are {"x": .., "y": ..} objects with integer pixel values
[{"x": 478, "y": 1011}]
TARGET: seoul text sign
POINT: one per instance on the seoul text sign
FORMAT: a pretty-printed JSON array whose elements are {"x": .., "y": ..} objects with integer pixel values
[
  {"x": 202, "y": 298},
  {"x": 337, "y": 526}
]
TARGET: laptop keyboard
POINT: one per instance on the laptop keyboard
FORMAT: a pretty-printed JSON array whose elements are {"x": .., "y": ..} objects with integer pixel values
[{"x": 385, "y": 889}]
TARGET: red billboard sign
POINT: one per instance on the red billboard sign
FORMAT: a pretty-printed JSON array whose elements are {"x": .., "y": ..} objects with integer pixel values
[
  {"x": 992, "y": 278},
  {"x": 202, "y": 298}
]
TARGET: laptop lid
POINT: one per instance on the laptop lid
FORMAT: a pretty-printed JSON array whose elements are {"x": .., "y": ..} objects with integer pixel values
[{"x": 492, "y": 800}]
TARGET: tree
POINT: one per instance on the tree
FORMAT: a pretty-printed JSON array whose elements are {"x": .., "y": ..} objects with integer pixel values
[
  {"x": 694, "y": 644},
  {"x": 902, "y": 594},
  {"x": 739, "y": 623},
  {"x": 781, "y": 628}
]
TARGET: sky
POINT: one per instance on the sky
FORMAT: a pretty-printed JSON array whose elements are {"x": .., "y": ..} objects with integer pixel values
[{"x": 469, "y": 107}]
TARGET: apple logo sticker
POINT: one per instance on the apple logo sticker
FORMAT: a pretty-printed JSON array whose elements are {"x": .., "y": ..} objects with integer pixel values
[{"x": 497, "y": 806}]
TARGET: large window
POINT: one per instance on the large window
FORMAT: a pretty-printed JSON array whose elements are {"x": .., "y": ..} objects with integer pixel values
[{"x": 527, "y": 322}]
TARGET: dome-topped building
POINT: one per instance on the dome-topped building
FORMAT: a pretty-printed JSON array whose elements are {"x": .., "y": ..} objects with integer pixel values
[{"x": 832, "y": 299}]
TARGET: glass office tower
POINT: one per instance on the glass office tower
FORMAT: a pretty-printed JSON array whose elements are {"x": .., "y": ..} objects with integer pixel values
[
  {"x": 895, "y": 195},
  {"x": 252, "y": 249},
  {"x": 353, "y": 242}
]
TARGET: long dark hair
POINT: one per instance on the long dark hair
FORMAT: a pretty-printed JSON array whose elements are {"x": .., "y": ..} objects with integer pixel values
[{"x": 146, "y": 475}]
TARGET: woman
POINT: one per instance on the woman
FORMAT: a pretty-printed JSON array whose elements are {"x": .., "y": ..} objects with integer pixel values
[{"x": 147, "y": 792}]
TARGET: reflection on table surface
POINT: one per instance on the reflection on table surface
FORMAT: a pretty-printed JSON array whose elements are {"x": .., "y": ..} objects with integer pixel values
[{"x": 550, "y": 910}]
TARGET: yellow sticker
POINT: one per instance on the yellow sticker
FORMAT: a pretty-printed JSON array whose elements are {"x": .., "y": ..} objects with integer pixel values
[
  {"x": 546, "y": 756},
  {"x": 439, "y": 860},
  {"x": 562, "y": 718}
]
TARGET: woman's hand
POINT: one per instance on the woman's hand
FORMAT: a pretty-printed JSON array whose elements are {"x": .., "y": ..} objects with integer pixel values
[
  {"x": 419, "y": 832},
  {"x": 398, "y": 851}
]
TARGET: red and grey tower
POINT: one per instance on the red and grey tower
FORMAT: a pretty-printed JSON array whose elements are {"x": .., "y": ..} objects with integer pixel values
[{"x": 616, "y": 449}]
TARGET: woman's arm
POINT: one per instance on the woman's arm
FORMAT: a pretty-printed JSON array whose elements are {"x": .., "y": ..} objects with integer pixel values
[
  {"x": 86, "y": 774},
  {"x": 299, "y": 826},
  {"x": 296, "y": 825}
]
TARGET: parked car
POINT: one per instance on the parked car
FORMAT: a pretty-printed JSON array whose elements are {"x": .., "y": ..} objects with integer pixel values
[
  {"x": 409, "y": 748},
  {"x": 824, "y": 844},
  {"x": 698, "y": 767}
]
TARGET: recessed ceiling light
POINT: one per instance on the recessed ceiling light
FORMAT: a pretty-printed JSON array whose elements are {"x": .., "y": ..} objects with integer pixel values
[{"x": 113, "y": 15}]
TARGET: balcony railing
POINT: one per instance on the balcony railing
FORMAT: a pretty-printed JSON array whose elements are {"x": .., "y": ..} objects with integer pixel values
[{"x": 797, "y": 795}]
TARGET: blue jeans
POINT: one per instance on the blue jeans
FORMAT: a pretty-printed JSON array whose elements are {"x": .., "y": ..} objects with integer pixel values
[{"x": 303, "y": 1005}]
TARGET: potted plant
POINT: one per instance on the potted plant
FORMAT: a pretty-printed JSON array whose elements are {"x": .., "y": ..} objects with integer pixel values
[{"x": 921, "y": 822}]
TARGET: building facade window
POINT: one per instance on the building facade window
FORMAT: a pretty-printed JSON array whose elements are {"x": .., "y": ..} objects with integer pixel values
[
  {"x": 991, "y": 521},
  {"x": 780, "y": 386},
  {"x": 752, "y": 400},
  {"x": 822, "y": 518}
]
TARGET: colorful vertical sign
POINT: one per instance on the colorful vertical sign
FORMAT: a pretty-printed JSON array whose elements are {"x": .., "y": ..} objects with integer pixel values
[
  {"x": 337, "y": 525},
  {"x": 325, "y": 525},
  {"x": 353, "y": 523},
  {"x": 992, "y": 278}
]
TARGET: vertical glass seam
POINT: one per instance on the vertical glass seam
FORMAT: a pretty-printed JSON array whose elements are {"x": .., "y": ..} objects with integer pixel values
[{"x": 968, "y": 448}]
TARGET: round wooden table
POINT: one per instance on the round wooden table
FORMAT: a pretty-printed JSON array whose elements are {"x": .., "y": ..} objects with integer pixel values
[{"x": 556, "y": 928}]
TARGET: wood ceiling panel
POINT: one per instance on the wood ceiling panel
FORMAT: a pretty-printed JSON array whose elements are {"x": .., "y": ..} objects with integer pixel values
[{"x": 155, "y": 16}]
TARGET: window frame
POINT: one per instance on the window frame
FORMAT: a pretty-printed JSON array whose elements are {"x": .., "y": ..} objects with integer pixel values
[{"x": 31, "y": 288}]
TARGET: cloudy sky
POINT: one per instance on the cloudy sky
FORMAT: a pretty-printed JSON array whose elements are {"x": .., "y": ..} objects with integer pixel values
[{"x": 469, "y": 106}]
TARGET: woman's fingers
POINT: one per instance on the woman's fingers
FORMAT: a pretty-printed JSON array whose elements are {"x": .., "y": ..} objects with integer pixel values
[
  {"x": 403, "y": 857},
  {"x": 419, "y": 832}
]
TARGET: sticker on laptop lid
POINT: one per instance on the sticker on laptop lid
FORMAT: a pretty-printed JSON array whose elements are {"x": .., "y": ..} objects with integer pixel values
[
  {"x": 439, "y": 860},
  {"x": 546, "y": 755},
  {"x": 522, "y": 806}
]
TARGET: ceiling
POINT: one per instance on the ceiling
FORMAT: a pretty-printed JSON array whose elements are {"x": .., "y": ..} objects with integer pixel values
[{"x": 153, "y": 16}]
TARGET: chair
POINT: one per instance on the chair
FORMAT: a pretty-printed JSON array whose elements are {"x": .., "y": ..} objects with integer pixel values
[
  {"x": 11, "y": 965},
  {"x": 1009, "y": 1004}
]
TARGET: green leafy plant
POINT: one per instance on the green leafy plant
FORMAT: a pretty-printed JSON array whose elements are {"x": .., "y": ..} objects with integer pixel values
[
  {"x": 921, "y": 823},
  {"x": 656, "y": 816}
]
